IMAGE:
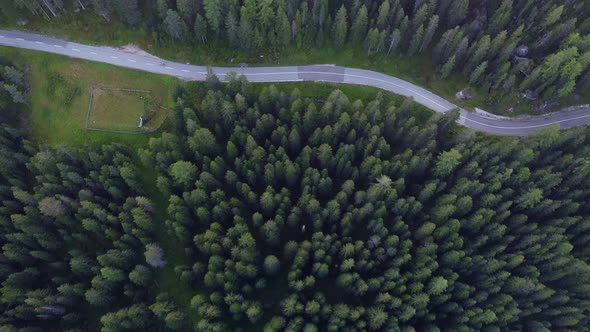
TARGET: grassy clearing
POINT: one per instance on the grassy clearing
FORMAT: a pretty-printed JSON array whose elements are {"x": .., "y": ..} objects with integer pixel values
[
  {"x": 120, "y": 110},
  {"x": 60, "y": 93},
  {"x": 116, "y": 110}
]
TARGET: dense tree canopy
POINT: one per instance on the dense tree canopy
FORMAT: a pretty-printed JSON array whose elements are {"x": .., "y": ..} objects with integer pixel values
[
  {"x": 350, "y": 215},
  {"x": 298, "y": 214}
]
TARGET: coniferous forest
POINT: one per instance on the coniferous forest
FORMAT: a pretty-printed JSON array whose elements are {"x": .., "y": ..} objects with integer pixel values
[
  {"x": 297, "y": 214},
  {"x": 538, "y": 48}
]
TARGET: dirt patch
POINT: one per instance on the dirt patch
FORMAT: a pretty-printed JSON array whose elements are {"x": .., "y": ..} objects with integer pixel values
[
  {"x": 97, "y": 92},
  {"x": 134, "y": 49},
  {"x": 73, "y": 70}
]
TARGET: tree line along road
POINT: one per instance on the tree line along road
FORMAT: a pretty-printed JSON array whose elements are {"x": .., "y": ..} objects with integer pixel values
[{"x": 316, "y": 73}]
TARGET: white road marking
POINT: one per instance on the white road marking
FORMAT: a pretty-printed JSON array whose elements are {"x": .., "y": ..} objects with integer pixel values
[
  {"x": 186, "y": 71},
  {"x": 275, "y": 81},
  {"x": 149, "y": 64},
  {"x": 461, "y": 120},
  {"x": 93, "y": 53},
  {"x": 528, "y": 127},
  {"x": 169, "y": 68},
  {"x": 38, "y": 42},
  {"x": 1, "y": 36},
  {"x": 20, "y": 39},
  {"x": 131, "y": 60},
  {"x": 75, "y": 49},
  {"x": 114, "y": 57},
  {"x": 58, "y": 46}
]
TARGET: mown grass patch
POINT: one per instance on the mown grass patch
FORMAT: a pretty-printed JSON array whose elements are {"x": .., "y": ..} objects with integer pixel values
[
  {"x": 120, "y": 110},
  {"x": 60, "y": 93},
  {"x": 116, "y": 110}
]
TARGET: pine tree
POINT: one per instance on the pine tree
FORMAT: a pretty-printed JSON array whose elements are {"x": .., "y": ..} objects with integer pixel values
[
  {"x": 448, "y": 67},
  {"x": 420, "y": 17},
  {"x": 372, "y": 41},
  {"x": 340, "y": 27},
  {"x": 173, "y": 25},
  {"x": 430, "y": 31},
  {"x": 476, "y": 75},
  {"x": 128, "y": 11},
  {"x": 183, "y": 173},
  {"x": 213, "y": 14},
  {"x": 377, "y": 317},
  {"x": 553, "y": 16},
  {"x": 569, "y": 72},
  {"x": 496, "y": 45},
  {"x": 501, "y": 17},
  {"x": 154, "y": 256},
  {"x": 318, "y": 14},
  {"x": 162, "y": 7},
  {"x": 200, "y": 29},
  {"x": 141, "y": 275},
  {"x": 175, "y": 320},
  {"x": 394, "y": 41},
  {"x": 136, "y": 317},
  {"x": 457, "y": 12},
  {"x": 231, "y": 29},
  {"x": 246, "y": 35},
  {"x": 271, "y": 265},
  {"x": 479, "y": 54},
  {"x": 358, "y": 31},
  {"x": 283, "y": 30},
  {"x": 384, "y": 14},
  {"x": 443, "y": 47},
  {"x": 416, "y": 41},
  {"x": 187, "y": 9},
  {"x": 447, "y": 162}
]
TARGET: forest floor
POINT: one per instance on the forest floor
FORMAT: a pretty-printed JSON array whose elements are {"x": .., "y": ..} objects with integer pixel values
[{"x": 89, "y": 28}]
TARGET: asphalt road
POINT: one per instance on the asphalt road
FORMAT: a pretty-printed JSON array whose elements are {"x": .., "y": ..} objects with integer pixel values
[{"x": 318, "y": 73}]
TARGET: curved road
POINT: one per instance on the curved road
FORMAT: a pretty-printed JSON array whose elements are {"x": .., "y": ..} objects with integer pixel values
[{"x": 324, "y": 73}]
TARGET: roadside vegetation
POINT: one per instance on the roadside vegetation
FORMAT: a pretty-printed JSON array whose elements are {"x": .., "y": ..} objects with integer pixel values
[{"x": 501, "y": 50}]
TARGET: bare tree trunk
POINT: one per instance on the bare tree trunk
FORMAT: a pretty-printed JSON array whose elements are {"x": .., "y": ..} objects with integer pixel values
[
  {"x": 391, "y": 43},
  {"x": 48, "y": 5},
  {"x": 81, "y": 4},
  {"x": 35, "y": 8}
]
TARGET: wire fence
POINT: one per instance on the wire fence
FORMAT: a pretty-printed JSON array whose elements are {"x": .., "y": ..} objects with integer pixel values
[{"x": 150, "y": 130}]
